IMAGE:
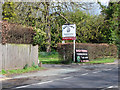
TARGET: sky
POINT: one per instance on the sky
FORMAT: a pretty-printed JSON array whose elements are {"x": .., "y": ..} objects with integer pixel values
[
  {"x": 94, "y": 11},
  {"x": 96, "y": 7},
  {"x": 104, "y": 2}
]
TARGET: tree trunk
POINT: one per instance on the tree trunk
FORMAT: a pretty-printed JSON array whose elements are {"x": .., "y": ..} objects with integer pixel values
[
  {"x": 118, "y": 33},
  {"x": 48, "y": 49},
  {"x": 48, "y": 30}
]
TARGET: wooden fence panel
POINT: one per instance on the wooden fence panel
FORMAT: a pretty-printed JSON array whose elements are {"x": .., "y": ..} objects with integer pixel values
[
  {"x": 0, "y": 56},
  {"x": 16, "y": 56}
]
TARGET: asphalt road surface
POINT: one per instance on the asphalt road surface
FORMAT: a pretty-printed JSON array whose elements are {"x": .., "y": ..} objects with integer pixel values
[{"x": 99, "y": 77}]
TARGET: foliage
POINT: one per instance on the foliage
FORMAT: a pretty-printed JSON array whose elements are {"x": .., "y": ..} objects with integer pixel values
[
  {"x": 14, "y": 33},
  {"x": 35, "y": 66},
  {"x": 3, "y": 71},
  {"x": 101, "y": 60},
  {"x": 50, "y": 61},
  {"x": 53, "y": 58},
  {"x": 26, "y": 66},
  {"x": 94, "y": 50},
  {"x": 48, "y": 54},
  {"x": 112, "y": 13},
  {"x": 19, "y": 71},
  {"x": 39, "y": 39},
  {"x": 8, "y": 11},
  {"x": 90, "y": 29},
  {"x": 47, "y": 19},
  {"x": 42, "y": 15},
  {"x": 49, "y": 58}
]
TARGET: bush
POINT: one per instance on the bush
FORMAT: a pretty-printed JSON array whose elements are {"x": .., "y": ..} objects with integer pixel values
[
  {"x": 26, "y": 66},
  {"x": 13, "y": 33},
  {"x": 94, "y": 50},
  {"x": 48, "y": 54},
  {"x": 3, "y": 71}
]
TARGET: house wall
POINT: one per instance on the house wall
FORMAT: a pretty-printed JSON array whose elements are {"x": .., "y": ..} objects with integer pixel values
[{"x": 16, "y": 56}]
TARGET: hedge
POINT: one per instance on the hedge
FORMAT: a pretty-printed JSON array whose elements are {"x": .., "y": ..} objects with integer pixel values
[
  {"x": 14, "y": 33},
  {"x": 102, "y": 50}
]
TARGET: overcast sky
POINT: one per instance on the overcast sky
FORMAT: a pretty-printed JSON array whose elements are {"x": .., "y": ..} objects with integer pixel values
[
  {"x": 96, "y": 8},
  {"x": 104, "y": 2}
]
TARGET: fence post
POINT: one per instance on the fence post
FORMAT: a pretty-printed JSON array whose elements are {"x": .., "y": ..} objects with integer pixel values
[{"x": 0, "y": 39}]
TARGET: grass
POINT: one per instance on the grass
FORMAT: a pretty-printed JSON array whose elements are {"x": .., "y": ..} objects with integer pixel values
[
  {"x": 19, "y": 71},
  {"x": 49, "y": 58},
  {"x": 52, "y": 58},
  {"x": 101, "y": 60}
]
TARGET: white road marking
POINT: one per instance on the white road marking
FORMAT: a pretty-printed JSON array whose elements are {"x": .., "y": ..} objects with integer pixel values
[
  {"x": 60, "y": 79},
  {"x": 84, "y": 74},
  {"x": 113, "y": 87},
  {"x": 43, "y": 82},
  {"x": 67, "y": 77},
  {"x": 57, "y": 79},
  {"x": 110, "y": 87},
  {"x": 116, "y": 87},
  {"x": 107, "y": 69},
  {"x": 23, "y": 86},
  {"x": 97, "y": 72},
  {"x": 54, "y": 74},
  {"x": 34, "y": 84},
  {"x": 44, "y": 75}
]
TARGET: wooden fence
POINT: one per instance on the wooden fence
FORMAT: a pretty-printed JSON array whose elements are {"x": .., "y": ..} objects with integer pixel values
[{"x": 16, "y": 56}]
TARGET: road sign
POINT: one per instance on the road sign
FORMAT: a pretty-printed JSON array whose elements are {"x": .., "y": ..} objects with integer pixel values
[
  {"x": 82, "y": 55},
  {"x": 69, "y": 38},
  {"x": 69, "y": 32}
]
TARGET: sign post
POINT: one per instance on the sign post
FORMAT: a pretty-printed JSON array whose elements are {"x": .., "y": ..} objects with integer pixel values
[
  {"x": 69, "y": 33},
  {"x": 63, "y": 41},
  {"x": 74, "y": 50}
]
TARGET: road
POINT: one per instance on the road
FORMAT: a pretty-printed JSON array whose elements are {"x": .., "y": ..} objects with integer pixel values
[{"x": 99, "y": 76}]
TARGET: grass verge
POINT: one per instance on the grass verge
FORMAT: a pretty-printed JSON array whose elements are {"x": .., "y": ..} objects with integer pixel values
[
  {"x": 101, "y": 60},
  {"x": 19, "y": 71},
  {"x": 49, "y": 58},
  {"x": 52, "y": 58}
]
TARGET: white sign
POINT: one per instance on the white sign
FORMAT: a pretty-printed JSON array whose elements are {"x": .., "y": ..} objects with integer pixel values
[
  {"x": 69, "y": 33},
  {"x": 69, "y": 30}
]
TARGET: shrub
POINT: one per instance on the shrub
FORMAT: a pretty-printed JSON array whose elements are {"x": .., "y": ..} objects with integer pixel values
[
  {"x": 94, "y": 50},
  {"x": 3, "y": 71},
  {"x": 26, "y": 66},
  {"x": 13, "y": 33}
]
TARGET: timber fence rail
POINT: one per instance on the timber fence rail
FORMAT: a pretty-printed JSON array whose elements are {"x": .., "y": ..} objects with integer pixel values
[{"x": 16, "y": 56}]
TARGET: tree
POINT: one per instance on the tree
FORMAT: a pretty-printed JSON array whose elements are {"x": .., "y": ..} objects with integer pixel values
[
  {"x": 90, "y": 29},
  {"x": 112, "y": 21},
  {"x": 8, "y": 11},
  {"x": 42, "y": 15}
]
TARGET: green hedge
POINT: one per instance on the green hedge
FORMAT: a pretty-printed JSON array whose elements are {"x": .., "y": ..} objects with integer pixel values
[
  {"x": 14, "y": 33},
  {"x": 94, "y": 50},
  {"x": 48, "y": 54}
]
